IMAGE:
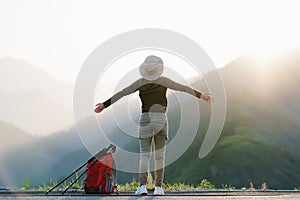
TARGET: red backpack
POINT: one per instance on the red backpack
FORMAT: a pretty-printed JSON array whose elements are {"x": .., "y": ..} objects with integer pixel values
[{"x": 100, "y": 175}]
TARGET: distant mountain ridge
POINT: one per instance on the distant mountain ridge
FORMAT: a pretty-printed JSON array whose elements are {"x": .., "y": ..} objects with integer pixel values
[
  {"x": 13, "y": 137},
  {"x": 260, "y": 141},
  {"x": 32, "y": 99},
  {"x": 18, "y": 75}
]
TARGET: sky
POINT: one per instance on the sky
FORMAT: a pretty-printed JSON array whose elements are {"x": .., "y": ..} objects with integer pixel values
[{"x": 58, "y": 35}]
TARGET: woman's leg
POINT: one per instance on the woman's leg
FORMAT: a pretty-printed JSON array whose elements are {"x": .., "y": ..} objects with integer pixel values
[
  {"x": 145, "y": 155},
  {"x": 160, "y": 140},
  {"x": 145, "y": 142}
]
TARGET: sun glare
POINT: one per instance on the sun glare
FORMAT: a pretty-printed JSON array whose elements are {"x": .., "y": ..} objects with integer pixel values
[{"x": 263, "y": 56}]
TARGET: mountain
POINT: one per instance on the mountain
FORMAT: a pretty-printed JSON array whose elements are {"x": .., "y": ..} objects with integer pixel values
[
  {"x": 260, "y": 141},
  {"x": 32, "y": 99},
  {"x": 13, "y": 137},
  {"x": 34, "y": 111},
  {"x": 55, "y": 156},
  {"x": 36, "y": 157},
  {"x": 18, "y": 75}
]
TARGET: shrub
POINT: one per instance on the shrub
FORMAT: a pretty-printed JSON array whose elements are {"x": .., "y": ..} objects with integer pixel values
[
  {"x": 26, "y": 185},
  {"x": 205, "y": 185}
]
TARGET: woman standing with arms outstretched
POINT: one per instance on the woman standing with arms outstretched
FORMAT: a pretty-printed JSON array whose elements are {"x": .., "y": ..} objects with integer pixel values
[{"x": 153, "y": 123}]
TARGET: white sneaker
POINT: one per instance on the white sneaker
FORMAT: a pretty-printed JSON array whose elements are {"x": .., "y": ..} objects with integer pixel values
[
  {"x": 158, "y": 191},
  {"x": 142, "y": 190}
]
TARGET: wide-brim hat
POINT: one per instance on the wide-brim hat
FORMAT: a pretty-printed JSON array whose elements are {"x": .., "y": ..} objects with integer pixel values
[{"x": 152, "y": 68}]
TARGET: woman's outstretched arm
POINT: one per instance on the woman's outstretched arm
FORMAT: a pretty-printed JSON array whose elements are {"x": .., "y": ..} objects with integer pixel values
[
  {"x": 179, "y": 87},
  {"x": 126, "y": 91}
]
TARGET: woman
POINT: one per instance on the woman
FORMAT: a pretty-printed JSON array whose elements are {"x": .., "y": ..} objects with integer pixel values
[{"x": 153, "y": 123}]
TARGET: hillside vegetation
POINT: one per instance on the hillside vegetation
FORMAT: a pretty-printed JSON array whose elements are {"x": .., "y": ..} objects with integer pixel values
[
  {"x": 260, "y": 141},
  {"x": 261, "y": 138}
]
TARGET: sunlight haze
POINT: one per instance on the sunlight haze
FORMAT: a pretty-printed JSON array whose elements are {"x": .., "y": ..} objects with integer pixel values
[
  {"x": 235, "y": 123},
  {"x": 58, "y": 36}
]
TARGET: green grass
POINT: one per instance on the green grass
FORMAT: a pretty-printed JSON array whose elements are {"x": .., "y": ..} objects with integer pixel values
[
  {"x": 132, "y": 186},
  {"x": 128, "y": 187},
  {"x": 26, "y": 185}
]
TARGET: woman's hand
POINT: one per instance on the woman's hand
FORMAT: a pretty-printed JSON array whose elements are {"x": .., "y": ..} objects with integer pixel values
[
  {"x": 99, "y": 107},
  {"x": 207, "y": 97}
]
